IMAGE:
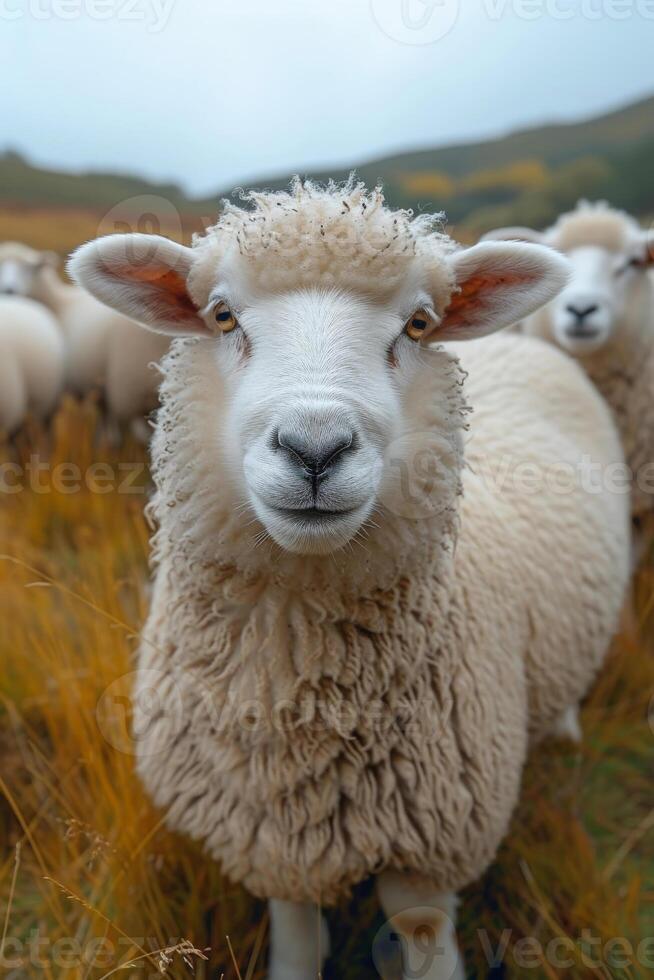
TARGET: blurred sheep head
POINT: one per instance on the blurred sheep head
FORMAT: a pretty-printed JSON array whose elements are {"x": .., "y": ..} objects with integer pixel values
[
  {"x": 609, "y": 287},
  {"x": 21, "y": 268}
]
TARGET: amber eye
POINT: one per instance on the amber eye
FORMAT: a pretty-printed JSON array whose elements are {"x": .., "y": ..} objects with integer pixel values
[
  {"x": 224, "y": 317},
  {"x": 417, "y": 324}
]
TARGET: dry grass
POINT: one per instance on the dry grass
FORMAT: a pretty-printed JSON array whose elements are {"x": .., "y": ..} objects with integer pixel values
[{"x": 84, "y": 856}]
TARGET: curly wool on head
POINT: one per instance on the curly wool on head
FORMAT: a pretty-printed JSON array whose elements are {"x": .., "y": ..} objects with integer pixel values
[
  {"x": 335, "y": 236},
  {"x": 593, "y": 223}
]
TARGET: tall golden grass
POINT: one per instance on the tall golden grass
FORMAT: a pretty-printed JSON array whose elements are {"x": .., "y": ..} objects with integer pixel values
[{"x": 91, "y": 883}]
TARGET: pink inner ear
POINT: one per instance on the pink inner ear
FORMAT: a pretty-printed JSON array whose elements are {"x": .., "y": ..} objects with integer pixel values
[
  {"x": 470, "y": 295},
  {"x": 165, "y": 279}
]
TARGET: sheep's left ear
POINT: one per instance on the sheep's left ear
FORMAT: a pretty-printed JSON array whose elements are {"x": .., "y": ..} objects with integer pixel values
[
  {"x": 143, "y": 277},
  {"x": 496, "y": 285}
]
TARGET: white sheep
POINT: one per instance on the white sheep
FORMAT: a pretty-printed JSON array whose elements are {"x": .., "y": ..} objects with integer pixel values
[
  {"x": 605, "y": 318},
  {"x": 31, "y": 361},
  {"x": 328, "y": 687},
  {"x": 103, "y": 349}
]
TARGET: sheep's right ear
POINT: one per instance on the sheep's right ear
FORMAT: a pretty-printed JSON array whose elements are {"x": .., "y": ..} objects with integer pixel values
[
  {"x": 143, "y": 277},
  {"x": 514, "y": 234}
]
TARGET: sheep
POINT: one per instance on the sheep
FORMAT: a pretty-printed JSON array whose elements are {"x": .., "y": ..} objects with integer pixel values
[
  {"x": 31, "y": 361},
  {"x": 605, "y": 318},
  {"x": 103, "y": 350},
  {"x": 360, "y": 617}
]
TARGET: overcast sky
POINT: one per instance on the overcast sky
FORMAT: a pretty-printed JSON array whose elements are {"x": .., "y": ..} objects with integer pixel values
[{"x": 210, "y": 92}]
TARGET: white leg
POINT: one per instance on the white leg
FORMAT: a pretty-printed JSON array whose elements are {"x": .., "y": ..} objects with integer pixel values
[
  {"x": 299, "y": 943},
  {"x": 567, "y": 725},
  {"x": 424, "y": 919}
]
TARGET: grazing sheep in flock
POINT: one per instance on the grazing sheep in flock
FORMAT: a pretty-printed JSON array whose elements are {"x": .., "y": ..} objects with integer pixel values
[
  {"x": 605, "y": 318},
  {"x": 31, "y": 361},
  {"x": 103, "y": 349},
  {"x": 353, "y": 635}
]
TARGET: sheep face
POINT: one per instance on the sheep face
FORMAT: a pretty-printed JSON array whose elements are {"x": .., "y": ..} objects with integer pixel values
[
  {"x": 609, "y": 287},
  {"x": 21, "y": 268},
  {"x": 320, "y": 346}
]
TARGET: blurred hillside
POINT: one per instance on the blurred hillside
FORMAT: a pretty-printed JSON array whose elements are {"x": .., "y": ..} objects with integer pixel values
[{"x": 527, "y": 177}]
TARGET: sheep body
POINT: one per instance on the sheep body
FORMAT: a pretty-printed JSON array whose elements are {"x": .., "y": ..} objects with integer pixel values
[
  {"x": 622, "y": 367},
  {"x": 465, "y": 652},
  {"x": 103, "y": 349},
  {"x": 361, "y": 616},
  {"x": 31, "y": 359}
]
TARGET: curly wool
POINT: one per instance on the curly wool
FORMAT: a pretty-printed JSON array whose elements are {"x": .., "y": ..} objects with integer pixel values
[
  {"x": 319, "y": 720},
  {"x": 338, "y": 236}
]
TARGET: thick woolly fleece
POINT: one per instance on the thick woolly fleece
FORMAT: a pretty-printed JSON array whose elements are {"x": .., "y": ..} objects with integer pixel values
[
  {"x": 623, "y": 369},
  {"x": 310, "y": 734},
  {"x": 314, "y": 720}
]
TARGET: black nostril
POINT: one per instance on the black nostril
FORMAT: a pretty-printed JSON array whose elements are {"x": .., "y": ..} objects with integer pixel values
[
  {"x": 582, "y": 313},
  {"x": 315, "y": 458}
]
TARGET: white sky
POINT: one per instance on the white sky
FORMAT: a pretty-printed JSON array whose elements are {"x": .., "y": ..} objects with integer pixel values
[{"x": 210, "y": 92}]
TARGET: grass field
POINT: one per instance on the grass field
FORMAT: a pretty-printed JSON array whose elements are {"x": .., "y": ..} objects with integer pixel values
[{"x": 92, "y": 885}]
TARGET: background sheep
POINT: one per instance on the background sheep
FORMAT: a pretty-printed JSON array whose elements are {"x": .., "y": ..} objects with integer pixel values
[
  {"x": 605, "y": 318},
  {"x": 103, "y": 349},
  {"x": 295, "y": 569},
  {"x": 31, "y": 361}
]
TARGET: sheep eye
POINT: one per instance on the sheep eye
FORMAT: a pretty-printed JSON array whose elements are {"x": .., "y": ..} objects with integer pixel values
[
  {"x": 633, "y": 263},
  {"x": 417, "y": 324},
  {"x": 224, "y": 318}
]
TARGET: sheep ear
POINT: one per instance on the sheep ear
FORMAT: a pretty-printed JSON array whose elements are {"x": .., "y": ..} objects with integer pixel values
[
  {"x": 143, "y": 277},
  {"x": 648, "y": 242},
  {"x": 497, "y": 284},
  {"x": 514, "y": 234}
]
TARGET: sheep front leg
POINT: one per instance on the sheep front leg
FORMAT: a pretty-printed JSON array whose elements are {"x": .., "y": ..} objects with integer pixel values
[
  {"x": 424, "y": 919},
  {"x": 299, "y": 942}
]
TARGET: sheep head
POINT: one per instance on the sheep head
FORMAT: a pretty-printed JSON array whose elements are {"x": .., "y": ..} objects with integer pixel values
[
  {"x": 609, "y": 289},
  {"x": 321, "y": 312},
  {"x": 21, "y": 268}
]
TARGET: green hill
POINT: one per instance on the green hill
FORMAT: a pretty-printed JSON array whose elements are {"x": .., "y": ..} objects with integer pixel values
[{"x": 527, "y": 176}]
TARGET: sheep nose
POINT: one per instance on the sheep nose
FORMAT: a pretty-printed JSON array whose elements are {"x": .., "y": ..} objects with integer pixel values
[
  {"x": 583, "y": 312},
  {"x": 315, "y": 457}
]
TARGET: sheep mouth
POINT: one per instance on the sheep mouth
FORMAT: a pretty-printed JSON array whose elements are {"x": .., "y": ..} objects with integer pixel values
[
  {"x": 313, "y": 514},
  {"x": 583, "y": 332}
]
